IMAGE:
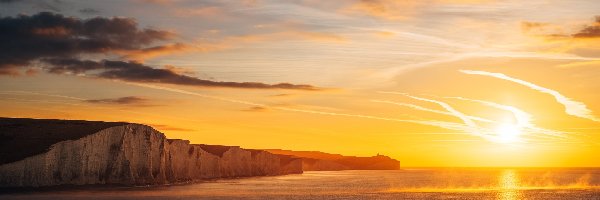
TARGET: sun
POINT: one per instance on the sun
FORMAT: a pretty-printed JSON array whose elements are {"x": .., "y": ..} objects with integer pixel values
[{"x": 507, "y": 133}]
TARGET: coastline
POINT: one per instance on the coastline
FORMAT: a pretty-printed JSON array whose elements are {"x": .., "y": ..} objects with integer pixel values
[{"x": 139, "y": 155}]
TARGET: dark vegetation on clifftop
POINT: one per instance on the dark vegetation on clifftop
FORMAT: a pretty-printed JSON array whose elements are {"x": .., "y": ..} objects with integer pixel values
[{"x": 22, "y": 137}]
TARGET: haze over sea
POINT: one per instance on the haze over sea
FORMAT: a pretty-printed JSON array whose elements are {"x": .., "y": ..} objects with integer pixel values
[{"x": 447, "y": 183}]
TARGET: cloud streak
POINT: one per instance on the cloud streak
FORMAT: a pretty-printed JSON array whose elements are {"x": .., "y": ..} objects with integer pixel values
[
  {"x": 471, "y": 126},
  {"x": 137, "y": 72},
  {"x": 434, "y": 123},
  {"x": 522, "y": 118},
  {"x": 572, "y": 107},
  {"x": 96, "y": 106},
  {"x": 421, "y": 108},
  {"x": 129, "y": 100},
  {"x": 394, "y": 10}
]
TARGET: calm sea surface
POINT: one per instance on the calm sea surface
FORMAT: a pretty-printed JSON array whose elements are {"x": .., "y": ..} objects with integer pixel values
[{"x": 505, "y": 184}]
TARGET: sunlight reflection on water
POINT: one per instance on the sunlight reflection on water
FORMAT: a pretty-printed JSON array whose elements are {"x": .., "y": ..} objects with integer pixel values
[{"x": 509, "y": 185}]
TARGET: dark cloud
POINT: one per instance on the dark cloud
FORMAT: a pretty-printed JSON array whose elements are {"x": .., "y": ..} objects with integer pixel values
[
  {"x": 137, "y": 72},
  {"x": 130, "y": 100},
  {"x": 590, "y": 31},
  {"x": 160, "y": 2},
  {"x": 57, "y": 43},
  {"x": 53, "y": 6},
  {"x": 281, "y": 95},
  {"x": 24, "y": 39},
  {"x": 47, "y": 5},
  {"x": 89, "y": 11},
  {"x": 586, "y": 32},
  {"x": 256, "y": 109}
]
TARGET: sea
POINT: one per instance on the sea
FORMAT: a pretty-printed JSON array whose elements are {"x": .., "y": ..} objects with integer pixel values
[{"x": 426, "y": 183}]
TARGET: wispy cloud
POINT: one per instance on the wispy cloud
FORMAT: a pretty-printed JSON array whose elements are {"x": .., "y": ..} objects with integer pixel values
[
  {"x": 421, "y": 108},
  {"x": 580, "y": 64},
  {"x": 470, "y": 53},
  {"x": 572, "y": 107},
  {"x": 435, "y": 123},
  {"x": 384, "y": 9},
  {"x": 138, "y": 72},
  {"x": 571, "y": 38},
  {"x": 397, "y": 10},
  {"x": 256, "y": 109},
  {"x": 128, "y": 101},
  {"x": 43, "y": 94},
  {"x": 472, "y": 127},
  {"x": 94, "y": 106},
  {"x": 522, "y": 118}
]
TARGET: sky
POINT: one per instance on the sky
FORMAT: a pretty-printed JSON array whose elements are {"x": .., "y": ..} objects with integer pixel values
[{"x": 432, "y": 83}]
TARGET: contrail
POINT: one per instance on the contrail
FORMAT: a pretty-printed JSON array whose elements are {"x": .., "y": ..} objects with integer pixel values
[
  {"x": 472, "y": 127},
  {"x": 43, "y": 94},
  {"x": 416, "y": 107},
  {"x": 522, "y": 118},
  {"x": 572, "y": 107}
]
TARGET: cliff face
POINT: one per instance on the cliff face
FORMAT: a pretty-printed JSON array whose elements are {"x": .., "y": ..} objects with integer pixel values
[
  {"x": 290, "y": 164},
  {"x": 264, "y": 163},
  {"x": 113, "y": 155},
  {"x": 310, "y": 164},
  {"x": 378, "y": 162},
  {"x": 233, "y": 161},
  {"x": 135, "y": 154}
]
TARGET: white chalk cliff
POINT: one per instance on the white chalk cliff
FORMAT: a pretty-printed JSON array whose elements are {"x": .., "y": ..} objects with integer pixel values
[{"x": 134, "y": 154}]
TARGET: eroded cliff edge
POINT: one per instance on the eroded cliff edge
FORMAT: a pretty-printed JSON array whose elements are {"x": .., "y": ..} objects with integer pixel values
[{"x": 126, "y": 154}]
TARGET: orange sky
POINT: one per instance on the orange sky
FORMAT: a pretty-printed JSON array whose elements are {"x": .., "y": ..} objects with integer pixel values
[{"x": 430, "y": 83}]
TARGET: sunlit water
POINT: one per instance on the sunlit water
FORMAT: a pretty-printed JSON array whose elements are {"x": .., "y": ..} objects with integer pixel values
[{"x": 504, "y": 184}]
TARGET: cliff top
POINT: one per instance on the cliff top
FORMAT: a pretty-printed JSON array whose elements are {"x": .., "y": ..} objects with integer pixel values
[
  {"x": 324, "y": 156},
  {"x": 307, "y": 154},
  {"x": 217, "y": 150},
  {"x": 286, "y": 159},
  {"x": 22, "y": 137},
  {"x": 353, "y": 162}
]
